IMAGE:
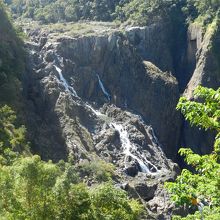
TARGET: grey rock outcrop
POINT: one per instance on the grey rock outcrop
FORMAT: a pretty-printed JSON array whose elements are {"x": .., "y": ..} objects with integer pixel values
[
  {"x": 153, "y": 44},
  {"x": 131, "y": 82},
  {"x": 206, "y": 73}
]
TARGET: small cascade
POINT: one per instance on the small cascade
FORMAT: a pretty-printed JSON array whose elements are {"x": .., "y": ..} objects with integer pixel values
[
  {"x": 64, "y": 82},
  {"x": 103, "y": 88},
  {"x": 152, "y": 135},
  {"x": 72, "y": 91},
  {"x": 145, "y": 165},
  {"x": 97, "y": 113},
  {"x": 129, "y": 149}
]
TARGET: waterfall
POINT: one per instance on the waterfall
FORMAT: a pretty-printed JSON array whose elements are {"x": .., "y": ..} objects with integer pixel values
[
  {"x": 103, "y": 88},
  {"x": 72, "y": 91},
  {"x": 128, "y": 147},
  {"x": 97, "y": 113},
  {"x": 152, "y": 135},
  {"x": 67, "y": 87}
]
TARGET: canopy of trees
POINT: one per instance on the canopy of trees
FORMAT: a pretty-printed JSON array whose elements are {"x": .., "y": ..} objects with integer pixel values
[
  {"x": 60, "y": 10},
  {"x": 135, "y": 11}
]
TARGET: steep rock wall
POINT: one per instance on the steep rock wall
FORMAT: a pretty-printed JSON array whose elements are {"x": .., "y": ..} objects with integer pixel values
[
  {"x": 206, "y": 73},
  {"x": 118, "y": 59},
  {"x": 153, "y": 43},
  {"x": 85, "y": 96},
  {"x": 131, "y": 82}
]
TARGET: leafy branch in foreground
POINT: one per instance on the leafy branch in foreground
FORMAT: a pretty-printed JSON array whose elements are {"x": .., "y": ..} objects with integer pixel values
[
  {"x": 205, "y": 114},
  {"x": 200, "y": 189}
]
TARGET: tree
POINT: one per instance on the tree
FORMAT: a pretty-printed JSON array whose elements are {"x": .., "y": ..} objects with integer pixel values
[
  {"x": 200, "y": 189},
  {"x": 110, "y": 203},
  {"x": 12, "y": 138},
  {"x": 205, "y": 10},
  {"x": 34, "y": 189}
]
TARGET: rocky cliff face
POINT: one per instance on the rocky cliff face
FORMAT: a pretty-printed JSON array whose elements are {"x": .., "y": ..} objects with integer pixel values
[
  {"x": 111, "y": 95},
  {"x": 204, "y": 64},
  {"x": 153, "y": 43},
  {"x": 97, "y": 95},
  {"x": 132, "y": 83}
]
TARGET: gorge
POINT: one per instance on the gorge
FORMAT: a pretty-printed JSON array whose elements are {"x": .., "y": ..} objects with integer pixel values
[{"x": 93, "y": 90}]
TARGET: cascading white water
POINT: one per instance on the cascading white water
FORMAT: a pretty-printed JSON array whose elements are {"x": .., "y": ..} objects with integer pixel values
[
  {"x": 72, "y": 91},
  {"x": 98, "y": 113},
  {"x": 64, "y": 82},
  {"x": 128, "y": 148},
  {"x": 151, "y": 134},
  {"x": 103, "y": 88}
]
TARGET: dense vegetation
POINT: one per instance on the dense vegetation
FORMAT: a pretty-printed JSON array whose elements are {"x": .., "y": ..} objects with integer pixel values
[
  {"x": 200, "y": 189},
  {"x": 148, "y": 12},
  {"x": 205, "y": 10},
  {"x": 59, "y": 10},
  {"x": 33, "y": 189},
  {"x": 134, "y": 11},
  {"x": 11, "y": 61}
]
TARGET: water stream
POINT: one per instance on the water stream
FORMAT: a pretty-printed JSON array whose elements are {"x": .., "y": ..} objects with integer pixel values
[
  {"x": 67, "y": 87},
  {"x": 129, "y": 149},
  {"x": 73, "y": 92},
  {"x": 103, "y": 88}
]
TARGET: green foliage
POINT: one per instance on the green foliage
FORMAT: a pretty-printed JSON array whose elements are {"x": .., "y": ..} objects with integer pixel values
[
  {"x": 206, "y": 10},
  {"x": 11, "y": 61},
  {"x": 207, "y": 214},
  {"x": 99, "y": 170},
  {"x": 12, "y": 138},
  {"x": 151, "y": 11},
  {"x": 133, "y": 11},
  {"x": 34, "y": 189},
  {"x": 206, "y": 114},
  {"x": 51, "y": 11},
  {"x": 147, "y": 12},
  {"x": 112, "y": 203},
  {"x": 37, "y": 190},
  {"x": 11, "y": 53},
  {"x": 201, "y": 188}
]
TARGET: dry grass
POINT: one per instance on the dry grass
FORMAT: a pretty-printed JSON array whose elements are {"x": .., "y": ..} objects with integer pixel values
[{"x": 71, "y": 29}]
